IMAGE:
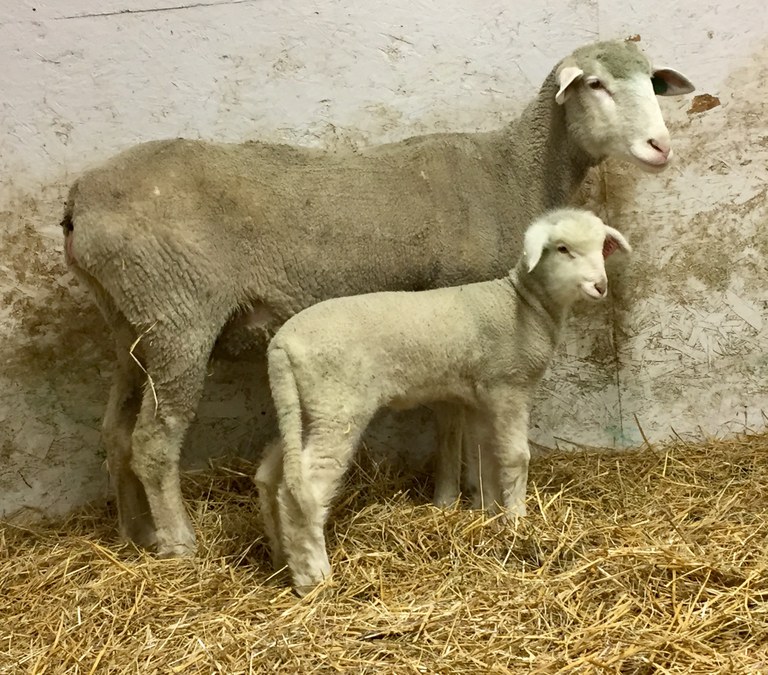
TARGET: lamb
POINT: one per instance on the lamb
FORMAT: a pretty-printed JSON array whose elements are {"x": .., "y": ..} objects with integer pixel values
[
  {"x": 189, "y": 245},
  {"x": 484, "y": 346}
]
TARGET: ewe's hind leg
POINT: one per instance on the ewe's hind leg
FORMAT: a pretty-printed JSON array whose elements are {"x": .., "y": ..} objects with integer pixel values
[
  {"x": 325, "y": 458},
  {"x": 268, "y": 479},
  {"x": 449, "y": 422},
  {"x": 176, "y": 367},
  {"x": 134, "y": 517}
]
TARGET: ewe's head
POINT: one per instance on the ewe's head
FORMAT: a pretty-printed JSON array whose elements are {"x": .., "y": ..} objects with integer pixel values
[
  {"x": 609, "y": 92},
  {"x": 567, "y": 249}
]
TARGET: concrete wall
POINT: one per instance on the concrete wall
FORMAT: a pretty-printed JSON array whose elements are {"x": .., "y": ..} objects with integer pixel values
[{"x": 681, "y": 346}]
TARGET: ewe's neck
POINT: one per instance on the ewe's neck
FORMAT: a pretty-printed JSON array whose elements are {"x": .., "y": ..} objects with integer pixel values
[{"x": 542, "y": 155}]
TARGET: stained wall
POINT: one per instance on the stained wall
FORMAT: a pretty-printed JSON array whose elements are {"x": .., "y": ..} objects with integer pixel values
[{"x": 681, "y": 347}]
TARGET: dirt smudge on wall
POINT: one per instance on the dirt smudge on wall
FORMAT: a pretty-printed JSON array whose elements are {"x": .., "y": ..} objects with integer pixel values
[{"x": 703, "y": 102}]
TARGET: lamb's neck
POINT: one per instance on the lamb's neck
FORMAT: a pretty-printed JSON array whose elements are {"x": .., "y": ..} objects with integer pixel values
[
  {"x": 536, "y": 303},
  {"x": 542, "y": 155}
]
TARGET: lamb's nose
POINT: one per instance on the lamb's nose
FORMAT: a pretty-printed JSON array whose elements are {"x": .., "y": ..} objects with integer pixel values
[{"x": 601, "y": 287}]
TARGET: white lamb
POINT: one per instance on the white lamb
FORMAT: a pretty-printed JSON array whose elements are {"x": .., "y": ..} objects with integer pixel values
[{"x": 484, "y": 346}]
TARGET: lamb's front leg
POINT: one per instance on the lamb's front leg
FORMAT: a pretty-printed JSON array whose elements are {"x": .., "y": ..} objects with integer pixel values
[{"x": 510, "y": 443}]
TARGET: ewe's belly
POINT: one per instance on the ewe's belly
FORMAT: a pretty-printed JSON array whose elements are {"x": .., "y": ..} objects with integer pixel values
[{"x": 247, "y": 334}]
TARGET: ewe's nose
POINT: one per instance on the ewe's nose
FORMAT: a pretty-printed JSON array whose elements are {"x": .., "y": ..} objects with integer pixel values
[
  {"x": 601, "y": 287},
  {"x": 661, "y": 145}
]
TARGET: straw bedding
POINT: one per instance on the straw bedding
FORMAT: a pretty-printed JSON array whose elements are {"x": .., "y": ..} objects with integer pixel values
[{"x": 641, "y": 562}]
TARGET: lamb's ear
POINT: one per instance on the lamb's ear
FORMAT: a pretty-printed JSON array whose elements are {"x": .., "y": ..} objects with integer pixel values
[
  {"x": 668, "y": 82},
  {"x": 566, "y": 77},
  {"x": 614, "y": 240},
  {"x": 536, "y": 238}
]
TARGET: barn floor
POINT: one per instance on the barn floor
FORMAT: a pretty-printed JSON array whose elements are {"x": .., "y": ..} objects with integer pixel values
[{"x": 643, "y": 562}]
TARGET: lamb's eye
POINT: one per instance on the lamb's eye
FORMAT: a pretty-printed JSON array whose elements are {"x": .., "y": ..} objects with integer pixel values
[
  {"x": 595, "y": 84},
  {"x": 562, "y": 248}
]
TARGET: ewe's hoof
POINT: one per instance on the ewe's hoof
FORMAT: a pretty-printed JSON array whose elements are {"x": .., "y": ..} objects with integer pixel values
[
  {"x": 445, "y": 500},
  {"x": 515, "y": 512},
  {"x": 278, "y": 560},
  {"x": 177, "y": 549},
  {"x": 142, "y": 535}
]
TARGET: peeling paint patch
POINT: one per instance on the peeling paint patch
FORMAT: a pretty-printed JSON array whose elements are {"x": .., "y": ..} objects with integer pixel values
[{"x": 702, "y": 103}]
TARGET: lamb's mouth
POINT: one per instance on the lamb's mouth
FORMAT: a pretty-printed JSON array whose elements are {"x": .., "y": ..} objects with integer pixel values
[{"x": 656, "y": 165}]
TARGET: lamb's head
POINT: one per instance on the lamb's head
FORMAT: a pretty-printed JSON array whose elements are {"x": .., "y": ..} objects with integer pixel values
[
  {"x": 566, "y": 250},
  {"x": 609, "y": 92}
]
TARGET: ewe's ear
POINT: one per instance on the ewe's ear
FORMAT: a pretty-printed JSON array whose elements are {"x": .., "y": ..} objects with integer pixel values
[
  {"x": 536, "y": 238},
  {"x": 668, "y": 82},
  {"x": 566, "y": 77},
  {"x": 614, "y": 240}
]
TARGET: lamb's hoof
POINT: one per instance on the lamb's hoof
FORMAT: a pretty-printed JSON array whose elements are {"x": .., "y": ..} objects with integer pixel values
[
  {"x": 307, "y": 581},
  {"x": 304, "y": 589}
]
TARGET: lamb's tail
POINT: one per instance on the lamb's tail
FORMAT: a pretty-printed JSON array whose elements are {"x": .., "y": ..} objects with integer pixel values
[{"x": 285, "y": 394}]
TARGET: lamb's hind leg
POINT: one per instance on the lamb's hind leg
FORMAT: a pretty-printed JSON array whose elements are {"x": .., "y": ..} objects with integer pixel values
[
  {"x": 303, "y": 512},
  {"x": 176, "y": 367},
  {"x": 268, "y": 479},
  {"x": 449, "y": 424},
  {"x": 134, "y": 516},
  {"x": 480, "y": 475}
]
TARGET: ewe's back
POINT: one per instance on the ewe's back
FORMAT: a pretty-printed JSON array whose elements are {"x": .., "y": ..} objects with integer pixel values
[{"x": 423, "y": 212}]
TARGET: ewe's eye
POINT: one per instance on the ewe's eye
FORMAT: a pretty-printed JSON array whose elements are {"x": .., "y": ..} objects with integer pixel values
[
  {"x": 595, "y": 84},
  {"x": 562, "y": 248}
]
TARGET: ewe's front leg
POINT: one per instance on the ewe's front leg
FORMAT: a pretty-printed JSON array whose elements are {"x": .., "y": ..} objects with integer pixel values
[{"x": 449, "y": 424}]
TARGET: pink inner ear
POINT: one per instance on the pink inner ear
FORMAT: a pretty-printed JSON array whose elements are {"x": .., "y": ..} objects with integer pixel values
[{"x": 610, "y": 245}]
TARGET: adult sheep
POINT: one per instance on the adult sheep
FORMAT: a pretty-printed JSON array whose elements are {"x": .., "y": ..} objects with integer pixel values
[{"x": 179, "y": 239}]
